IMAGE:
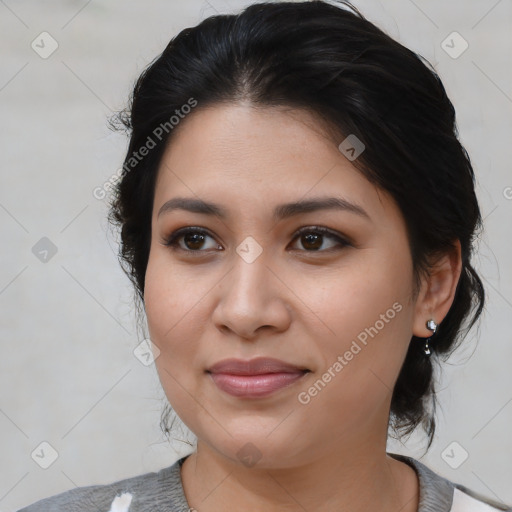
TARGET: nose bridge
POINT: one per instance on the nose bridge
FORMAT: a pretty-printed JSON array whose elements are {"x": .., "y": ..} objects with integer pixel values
[
  {"x": 250, "y": 297},
  {"x": 250, "y": 276}
]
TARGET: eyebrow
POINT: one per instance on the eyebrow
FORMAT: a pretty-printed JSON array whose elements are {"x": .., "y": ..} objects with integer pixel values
[{"x": 282, "y": 211}]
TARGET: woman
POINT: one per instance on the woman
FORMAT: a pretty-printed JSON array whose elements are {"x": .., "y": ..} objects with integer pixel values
[{"x": 297, "y": 217}]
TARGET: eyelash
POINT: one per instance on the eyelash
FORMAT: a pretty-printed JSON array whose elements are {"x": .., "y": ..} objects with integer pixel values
[{"x": 172, "y": 241}]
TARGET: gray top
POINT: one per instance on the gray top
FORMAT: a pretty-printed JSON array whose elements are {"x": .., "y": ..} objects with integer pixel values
[{"x": 162, "y": 491}]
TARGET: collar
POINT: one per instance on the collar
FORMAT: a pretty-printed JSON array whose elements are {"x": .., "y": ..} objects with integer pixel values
[{"x": 436, "y": 492}]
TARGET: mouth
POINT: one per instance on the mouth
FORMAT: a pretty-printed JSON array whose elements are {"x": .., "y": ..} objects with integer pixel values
[{"x": 255, "y": 378}]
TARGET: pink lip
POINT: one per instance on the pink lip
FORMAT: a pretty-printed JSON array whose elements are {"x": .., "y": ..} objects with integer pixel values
[{"x": 254, "y": 378}]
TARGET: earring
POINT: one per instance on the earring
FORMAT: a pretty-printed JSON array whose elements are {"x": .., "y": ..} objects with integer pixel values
[{"x": 431, "y": 326}]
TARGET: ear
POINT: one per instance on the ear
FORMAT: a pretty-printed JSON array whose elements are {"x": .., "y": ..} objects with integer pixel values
[{"x": 437, "y": 290}]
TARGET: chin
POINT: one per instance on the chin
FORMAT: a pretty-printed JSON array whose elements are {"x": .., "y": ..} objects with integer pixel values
[{"x": 257, "y": 449}]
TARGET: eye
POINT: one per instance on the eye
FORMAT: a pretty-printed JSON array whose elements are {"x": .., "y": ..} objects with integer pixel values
[
  {"x": 312, "y": 239},
  {"x": 193, "y": 239}
]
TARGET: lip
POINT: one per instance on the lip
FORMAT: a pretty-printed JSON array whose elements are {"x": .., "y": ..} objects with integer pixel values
[
  {"x": 254, "y": 378},
  {"x": 256, "y": 366}
]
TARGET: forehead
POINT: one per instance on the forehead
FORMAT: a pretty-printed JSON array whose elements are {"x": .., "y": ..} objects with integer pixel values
[{"x": 254, "y": 158}]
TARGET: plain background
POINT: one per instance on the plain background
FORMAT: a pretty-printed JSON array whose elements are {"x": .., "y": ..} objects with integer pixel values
[{"x": 68, "y": 374}]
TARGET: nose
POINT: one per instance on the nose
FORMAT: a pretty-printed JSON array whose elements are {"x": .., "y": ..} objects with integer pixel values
[{"x": 252, "y": 299}]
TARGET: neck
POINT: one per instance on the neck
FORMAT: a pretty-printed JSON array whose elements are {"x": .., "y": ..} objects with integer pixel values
[{"x": 354, "y": 479}]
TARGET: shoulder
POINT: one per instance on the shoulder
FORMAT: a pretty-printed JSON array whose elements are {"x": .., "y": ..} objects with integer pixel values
[
  {"x": 160, "y": 490},
  {"x": 438, "y": 494}
]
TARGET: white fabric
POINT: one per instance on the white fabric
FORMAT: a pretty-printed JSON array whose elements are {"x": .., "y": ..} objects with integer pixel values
[
  {"x": 121, "y": 503},
  {"x": 463, "y": 502}
]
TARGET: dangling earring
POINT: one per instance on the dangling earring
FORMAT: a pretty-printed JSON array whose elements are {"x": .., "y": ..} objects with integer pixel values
[{"x": 431, "y": 326}]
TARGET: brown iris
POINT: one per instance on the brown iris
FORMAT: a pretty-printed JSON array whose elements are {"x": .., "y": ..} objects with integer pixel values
[
  {"x": 314, "y": 241},
  {"x": 193, "y": 241}
]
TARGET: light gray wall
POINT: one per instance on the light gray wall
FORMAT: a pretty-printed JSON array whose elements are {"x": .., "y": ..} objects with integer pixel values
[{"x": 68, "y": 375}]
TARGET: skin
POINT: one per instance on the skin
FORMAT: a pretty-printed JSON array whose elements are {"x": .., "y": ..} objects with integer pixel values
[{"x": 292, "y": 303}]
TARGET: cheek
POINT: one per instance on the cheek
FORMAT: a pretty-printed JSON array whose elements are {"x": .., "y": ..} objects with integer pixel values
[
  {"x": 170, "y": 305},
  {"x": 172, "y": 326},
  {"x": 170, "y": 294},
  {"x": 368, "y": 311},
  {"x": 369, "y": 290}
]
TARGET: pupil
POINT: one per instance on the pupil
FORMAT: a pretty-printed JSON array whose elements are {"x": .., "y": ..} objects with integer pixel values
[
  {"x": 313, "y": 239},
  {"x": 197, "y": 239}
]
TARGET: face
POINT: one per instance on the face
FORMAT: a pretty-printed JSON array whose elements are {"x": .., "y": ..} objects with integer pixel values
[{"x": 327, "y": 291}]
